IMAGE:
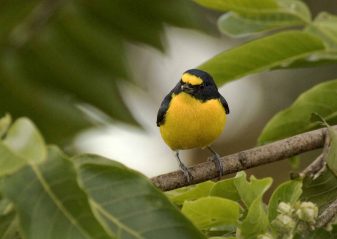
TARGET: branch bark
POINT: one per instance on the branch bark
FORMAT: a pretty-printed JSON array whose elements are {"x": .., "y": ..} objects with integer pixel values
[{"x": 254, "y": 157}]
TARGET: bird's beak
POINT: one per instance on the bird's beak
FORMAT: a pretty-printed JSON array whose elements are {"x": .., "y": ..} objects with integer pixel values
[{"x": 187, "y": 88}]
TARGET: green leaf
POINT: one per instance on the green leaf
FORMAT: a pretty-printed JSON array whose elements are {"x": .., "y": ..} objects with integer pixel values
[
  {"x": 222, "y": 238},
  {"x": 23, "y": 144},
  {"x": 250, "y": 190},
  {"x": 243, "y": 6},
  {"x": 321, "y": 190},
  {"x": 256, "y": 221},
  {"x": 288, "y": 192},
  {"x": 296, "y": 119},
  {"x": 212, "y": 211},
  {"x": 238, "y": 188},
  {"x": 276, "y": 12},
  {"x": 325, "y": 57},
  {"x": 49, "y": 202},
  {"x": 9, "y": 162},
  {"x": 127, "y": 204},
  {"x": 262, "y": 54},
  {"x": 25, "y": 140},
  {"x": 235, "y": 25},
  {"x": 190, "y": 193},
  {"x": 289, "y": 13},
  {"x": 226, "y": 189},
  {"x": 5, "y": 122},
  {"x": 5, "y": 205},
  {"x": 325, "y": 27}
]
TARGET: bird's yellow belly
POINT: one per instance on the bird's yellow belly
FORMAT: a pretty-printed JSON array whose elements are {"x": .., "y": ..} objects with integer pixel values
[{"x": 191, "y": 123}]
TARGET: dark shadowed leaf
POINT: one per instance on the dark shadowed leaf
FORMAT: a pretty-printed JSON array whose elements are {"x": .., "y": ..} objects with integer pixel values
[
  {"x": 5, "y": 122},
  {"x": 320, "y": 233},
  {"x": 321, "y": 191},
  {"x": 56, "y": 55}
]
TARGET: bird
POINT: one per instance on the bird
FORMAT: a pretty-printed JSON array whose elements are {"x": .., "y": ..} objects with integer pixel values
[{"x": 193, "y": 115}]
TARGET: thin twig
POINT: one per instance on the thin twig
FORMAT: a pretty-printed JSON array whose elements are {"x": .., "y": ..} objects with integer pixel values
[
  {"x": 327, "y": 215},
  {"x": 254, "y": 157},
  {"x": 314, "y": 169}
]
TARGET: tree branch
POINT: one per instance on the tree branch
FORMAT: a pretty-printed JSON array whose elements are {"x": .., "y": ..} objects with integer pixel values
[{"x": 254, "y": 157}]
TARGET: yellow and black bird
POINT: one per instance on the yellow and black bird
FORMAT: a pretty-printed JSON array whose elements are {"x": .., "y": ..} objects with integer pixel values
[{"x": 193, "y": 115}]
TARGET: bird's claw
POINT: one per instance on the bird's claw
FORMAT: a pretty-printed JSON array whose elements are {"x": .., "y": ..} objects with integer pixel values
[
  {"x": 218, "y": 164},
  {"x": 186, "y": 172}
]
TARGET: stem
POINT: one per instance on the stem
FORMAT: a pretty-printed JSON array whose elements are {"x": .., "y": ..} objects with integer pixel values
[
  {"x": 327, "y": 215},
  {"x": 254, "y": 157},
  {"x": 316, "y": 167}
]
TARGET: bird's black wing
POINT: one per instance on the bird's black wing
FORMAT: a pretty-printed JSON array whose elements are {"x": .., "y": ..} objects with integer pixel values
[
  {"x": 165, "y": 104},
  {"x": 163, "y": 108},
  {"x": 224, "y": 104}
]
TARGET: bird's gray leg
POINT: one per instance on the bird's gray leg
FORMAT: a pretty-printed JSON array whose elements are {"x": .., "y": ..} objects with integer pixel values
[
  {"x": 184, "y": 168},
  {"x": 217, "y": 161}
]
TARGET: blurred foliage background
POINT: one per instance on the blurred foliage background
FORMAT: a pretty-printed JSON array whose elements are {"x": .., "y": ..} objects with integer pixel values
[
  {"x": 75, "y": 65},
  {"x": 59, "y": 55}
]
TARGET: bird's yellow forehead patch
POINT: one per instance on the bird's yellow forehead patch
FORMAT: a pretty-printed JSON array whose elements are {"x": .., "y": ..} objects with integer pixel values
[{"x": 191, "y": 79}]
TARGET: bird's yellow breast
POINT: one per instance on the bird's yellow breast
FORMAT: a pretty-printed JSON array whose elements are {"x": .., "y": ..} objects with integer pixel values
[{"x": 191, "y": 123}]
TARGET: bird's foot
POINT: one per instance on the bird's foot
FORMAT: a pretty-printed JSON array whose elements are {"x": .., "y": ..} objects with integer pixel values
[
  {"x": 183, "y": 168},
  {"x": 186, "y": 172},
  {"x": 218, "y": 164}
]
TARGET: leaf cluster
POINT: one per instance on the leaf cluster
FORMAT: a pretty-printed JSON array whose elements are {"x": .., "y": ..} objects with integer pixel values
[
  {"x": 234, "y": 208},
  {"x": 45, "y": 193}
]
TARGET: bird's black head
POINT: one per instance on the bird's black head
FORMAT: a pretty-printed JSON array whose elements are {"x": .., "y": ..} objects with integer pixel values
[{"x": 199, "y": 84}]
